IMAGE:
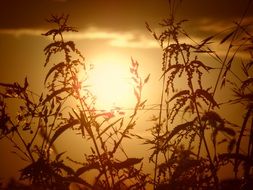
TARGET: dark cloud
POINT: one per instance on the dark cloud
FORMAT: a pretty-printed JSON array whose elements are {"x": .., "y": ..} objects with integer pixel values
[
  {"x": 216, "y": 9},
  {"x": 120, "y": 14},
  {"x": 113, "y": 14}
]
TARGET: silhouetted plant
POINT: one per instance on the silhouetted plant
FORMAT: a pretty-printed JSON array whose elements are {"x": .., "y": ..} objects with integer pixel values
[
  {"x": 48, "y": 116},
  {"x": 179, "y": 159},
  {"x": 188, "y": 133}
]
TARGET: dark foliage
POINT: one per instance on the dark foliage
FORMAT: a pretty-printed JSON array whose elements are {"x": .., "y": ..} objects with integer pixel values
[
  {"x": 188, "y": 136},
  {"x": 47, "y": 117},
  {"x": 183, "y": 156}
]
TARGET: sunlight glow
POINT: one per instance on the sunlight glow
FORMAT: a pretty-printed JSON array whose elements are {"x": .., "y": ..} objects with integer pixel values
[{"x": 110, "y": 82}]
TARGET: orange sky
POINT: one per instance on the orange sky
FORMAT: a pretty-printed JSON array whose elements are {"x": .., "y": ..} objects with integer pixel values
[{"x": 116, "y": 26}]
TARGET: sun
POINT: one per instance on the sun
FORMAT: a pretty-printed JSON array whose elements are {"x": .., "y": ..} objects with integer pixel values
[{"x": 110, "y": 82}]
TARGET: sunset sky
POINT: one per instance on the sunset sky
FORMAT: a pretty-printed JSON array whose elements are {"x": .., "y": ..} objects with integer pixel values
[
  {"x": 104, "y": 27},
  {"x": 110, "y": 32}
]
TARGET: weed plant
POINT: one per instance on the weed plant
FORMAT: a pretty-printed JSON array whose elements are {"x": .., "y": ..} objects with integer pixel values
[
  {"x": 46, "y": 117},
  {"x": 185, "y": 154},
  {"x": 186, "y": 135}
]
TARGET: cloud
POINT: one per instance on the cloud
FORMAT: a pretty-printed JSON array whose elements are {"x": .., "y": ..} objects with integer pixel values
[
  {"x": 123, "y": 39},
  {"x": 22, "y": 32},
  {"x": 130, "y": 39},
  {"x": 217, "y": 26},
  {"x": 138, "y": 39}
]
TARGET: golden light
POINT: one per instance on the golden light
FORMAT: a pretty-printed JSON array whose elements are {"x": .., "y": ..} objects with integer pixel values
[{"x": 111, "y": 83}]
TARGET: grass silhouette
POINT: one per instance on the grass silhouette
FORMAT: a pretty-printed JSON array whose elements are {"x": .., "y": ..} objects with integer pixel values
[{"x": 185, "y": 138}]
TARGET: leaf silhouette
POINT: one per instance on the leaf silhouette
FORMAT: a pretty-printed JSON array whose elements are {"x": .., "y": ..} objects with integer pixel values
[
  {"x": 179, "y": 128},
  {"x": 53, "y": 32},
  {"x": 26, "y": 84},
  {"x": 56, "y": 67},
  {"x": 213, "y": 117},
  {"x": 50, "y": 49},
  {"x": 127, "y": 163},
  {"x": 86, "y": 168},
  {"x": 205, "y": 41},
  {"x": 7, "y": 85},
  {"x": 231, "y": 145},
  {"x": 148, "y": 27},
  {"x": 229, "y": 131},
  {"x": 228, "y": 67},
  {"x": 246, "y": 83},
  {"x": 109, "y": 126},
  {"x": 142, "y": 104},
  {"x": 71, "y": 44},
  {"x": 146, "y": 79},
  {"x": 137, "y": 95},
  {"x": 184, "y": 165},
  {"x": 84, "y": 124},
  {"x": 177, "y": 68},
  {"x": 55, "y": 93},
  {"x": 227, "y": 37},
  {"x": 179, "y": 94},
  {"x": 66, "y": 168},
  {"x": 197, "y": 63},
  {"x": 58, "y": 156},
  {"x": 63, "y": 128},
  {"x": 205, "y": 94}
]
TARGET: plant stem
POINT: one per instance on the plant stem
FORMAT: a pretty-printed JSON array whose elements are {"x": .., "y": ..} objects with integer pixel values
[
  {"x": 238, "y": 144},
  {"x": 159, "y": 129},
  {"x": 26, "y": 146}
]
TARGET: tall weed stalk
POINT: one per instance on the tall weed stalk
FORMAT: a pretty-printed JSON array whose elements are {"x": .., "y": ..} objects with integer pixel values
[
  {"x": 189, "y": 116},
  {"x": 68, "y": 104},
  {"x": 189, "y": 133}
]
